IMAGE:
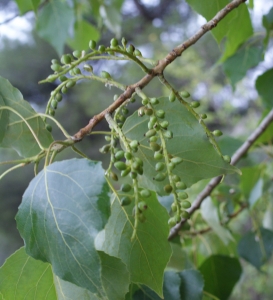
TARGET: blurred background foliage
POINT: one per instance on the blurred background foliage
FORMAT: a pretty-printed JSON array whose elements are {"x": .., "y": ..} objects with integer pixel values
[{"x": 155, "y": 27}]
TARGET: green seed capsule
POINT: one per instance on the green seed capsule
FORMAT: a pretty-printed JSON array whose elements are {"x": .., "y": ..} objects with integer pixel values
[
  {"x": 185, "y": 204},
  {"x": 114, "y": 43},
  {"x": 182, "y": 195},
  {"x": 58, "y": 97},
  {"x": 137, "y": 53},
  {"x": 51, "y": 112},
  {"x": 133, "y": 175},
  {"x": 92, "y": 44},
  {"x": 125, "y": 172},
  {"x": 176, "y": 160},
  {"x": 160, "y": 177},
  {"x": 140, "y": 111},
  {"x": 54, "y": 61},
  {"x": 171, "y": 166},
  {"x": 125, "y": 201},
  {"x": 153, "y": 139},
  {"x": 70, "y": 84},
  {"x": 195, "y": 104},
  {"x": 120, "y": 165},
  {"x": 181, "y": 185},
  {"x": 155, "y": 146},
  {"x": 77, "y": 71},
  {"x": 134, "y": 144},
  {"x": 172, "y": 97},
  {"x": 148, "y": 111},
  {"x": 139, "y": 161},
  {"x": 145, "y": 193},
  {"x": 168, "y": 188},
  {"x": 114, "y": 176},
  {"x": 88, "y": 68},
  {"x": 145, "y": 101},
  {"x": 172, "y": 221},
  {"x": 135, "y": 149},
  {"x": 185, "y": 94},
  {"x": 160, "y": 113},
  {"x": 142, "y": 205},
  {"x": 174, "y": 207},
  {"x": 101, "y": 48},
  {"x": 77, "y": 53},
  {"x": 203, "y": 116},
  {"x": 154, "y": 101},
  {"x": 48, "y": 127},
  {"x": 56, "y": 67},
  {"x": 150, "y": 133},
  {"x": 64, "y": 90},
  {"x": 107, "y": 138},
  {"x": 164, "y": 124},
  {"x": 185, "y": 214},
  {"x": 227, "y": 158},
  {"x": 168, "y": 134},
  {"x": 159, "y": 166},
  {"x": 63, "y": 78},
  {"x": 124, "y": 42},
  {"x": 54, "y": 104},
  {"x": 217, "y": 132},
  {"x": 66, "y": 59},
  {"x": 105, "y": 75},
  {"x": 140, "y": 171},
  {"x": 119, "y": 155},
  {"x": 136, "y": 166},
  {"x": 126, "y": 187},
  {"x": 158, "y": 156},
  {"x": 105, "y": 149},
  {"x": 175, "y": 178},
  {"x": 51, "y": 78},
  {"x": 128, "y": 155}
]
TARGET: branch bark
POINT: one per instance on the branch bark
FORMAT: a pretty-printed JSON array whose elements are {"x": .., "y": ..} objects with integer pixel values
[
  {"x": 158, "y": 69},
  {"x": 215, "y": 181}
]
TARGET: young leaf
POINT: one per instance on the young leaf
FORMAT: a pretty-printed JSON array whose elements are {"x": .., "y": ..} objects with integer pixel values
[
  {"x": 22, "y": 277},
  {"x": 190, "y": 142},
  {"x": 17, "y": 134},
  {"x": 220, "y": 273},
  {"x": 63, "y": 209},
  {"x": 148, "y": 254},
  {"x": 53, "y": 23},
  {"x": 256, "y": 248}
]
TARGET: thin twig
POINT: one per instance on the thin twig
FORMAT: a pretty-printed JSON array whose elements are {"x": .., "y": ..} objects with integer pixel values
[
  {"x": 215, "y": 181},
  {"x": 158, "y": 69}
]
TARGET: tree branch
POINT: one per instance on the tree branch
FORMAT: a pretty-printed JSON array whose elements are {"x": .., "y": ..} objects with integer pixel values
[
  {"x": 215, "y": 181},
  {"x": 158, "y": 69}
]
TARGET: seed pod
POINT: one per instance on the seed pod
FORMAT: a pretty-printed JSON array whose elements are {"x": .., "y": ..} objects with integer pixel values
[
  {"x": 119, "y": 155},
  {"x": 105, "y": 75},
  {"x": 181, "y": 185},
  {"x": 54, "y": 104},
  {"x": 107, "y": 138},
  {"x": 63, "y": 78},
  {"x": 51, "y": 112},
  {"x": 140, "y": 171},
  {"x": 66, "y": 59},
  {"x": 114, "y": 43},
  {"x": 70, "y": 83},
  {"x": 92, "y": 44},
  {"x": 133, "y": 175},
  {"x": 145, "y": 101},
  {"x": 185, "y": 94},
  {"x": 124, "y": 42},
  {"x": 174, "y": 207},
  {"x": 171, "y": 166},
  {"x": 130, "y": 49},
  {"x": 140, "y": 111},
  {"x": 125, "y": 201},
  {"x": 172, "y": 221},
  {"x": 217, "y": 132},
  {"x": 182, "y": 195},
  {"x": 134, "y": 149},
  {"x": 164, "y": 124},
  {"x": 134, "y": 144},
  {"x": 155, "y": 146},
  {"x": 120, "y": 165},
  {"x": 77, "y": 53},
  {"x": 150, "y": 133},
  {"x": 185, "y": 204},
  {"x": 172, "y": 97},
  {"x": 132, "y": 100},
  {"x": 77, "y": 71},
  {"x": 125, "y": 172},
  {"x": 136, "y": 166},
  {"x": 159, "y": 166},
  {"x": 137, "y": 53},
  {"x": 148, "y": 111},
  {"x": 158, "y": 156},
  {"x": 139, "y": 161},
  {"x": 154, "y": 101},
  {"x": 56, "y": 67},
  {"x": 114, "y": 176},
  {"x": 64, "y": 90},
  {"x": 168, "y": 134},
  {"x": 101, "y": 48},
  {"x": 175, "y": 178},
  {"x": 168, "y": 188},
  {"x": 58, "y": 97},
  {"x": 51, "y": 78},
  {"x": 48, "y": 127},
  {"x": 54, "y": 61},
  {"x": 145, "y": 193},
  {"x": 160, "y": 177},
  {"x": 195, "y": 104},
  {"x": 176, "y": 160},
  {"x": 160, "y": 113},
  {"x": 105, "y": 148},
  {"x": 185, "y": 214},
  {"x": 142, "y": 205},
  {"x": 203, "y": 116},
  {"x": 153, "y": 139},
  {"x": 128, "y": 155},
  {"x": 227, "y": 158},
  {"x": 126, "y": 187}
]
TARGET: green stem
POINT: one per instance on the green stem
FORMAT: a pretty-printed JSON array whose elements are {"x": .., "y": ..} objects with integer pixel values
[
  {"x": 135, "y": 184},
  {"x": 11, "y": 169}
]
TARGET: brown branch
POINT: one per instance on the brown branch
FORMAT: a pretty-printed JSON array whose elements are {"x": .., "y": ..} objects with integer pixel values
[
  {"x": 158, "y": 69},
  {"x": 215, "y": 181}
]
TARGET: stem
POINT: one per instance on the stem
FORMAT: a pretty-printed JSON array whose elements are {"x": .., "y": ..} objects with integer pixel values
[{"x": 11, "y": 169}]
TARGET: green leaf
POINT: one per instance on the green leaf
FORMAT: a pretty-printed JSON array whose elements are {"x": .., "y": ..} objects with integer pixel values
[
  {"x": 266, "y": 136},
  {"x": 192, "y": 284},
  {"x": 210, "y": 215},
  {"x": 115, "y": 277},
  {"x": 54, "y": 22},
  {"x": 228, "y": 144},
  {"x": 83, "y": 33},
  {"x": 95, "y": 8},
  {"x": 237, "y": 65},
  {"x": 24, "y": 6},
  {"x": 268, "y": 25},
  {"x": 22, "y": 277},
  {"x": 148, "y": 254},
  {"x": 265, "y": 88},
  {"x": 189, "y": 142},
  {"x": 63, "y": 209},
  {"x": 220, "y": 273},
  {"x": 228, "y": 27},
  {"x": 17, "y": 134},
  {"x": 256, "y": 248},
  {"x": 256, "y": 193},
  {"x": 111, "y": 18}
]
